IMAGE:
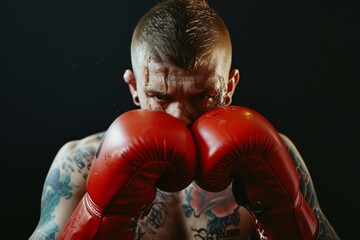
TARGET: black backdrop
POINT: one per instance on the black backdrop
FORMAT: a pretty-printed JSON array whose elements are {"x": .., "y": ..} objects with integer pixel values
[{"x": 62, "y": 66}]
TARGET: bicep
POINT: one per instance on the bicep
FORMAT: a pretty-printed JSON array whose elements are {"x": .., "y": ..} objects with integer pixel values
[
  {"x": 306, "y": 184},
  {"x": 308, "y": 191},
  {"x": 64, "y": 186}
]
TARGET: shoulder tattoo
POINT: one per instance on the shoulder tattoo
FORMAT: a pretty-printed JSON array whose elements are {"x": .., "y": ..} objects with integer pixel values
[
  {"x": 79, "y": 160},
  {"x": 58, "y": 185},
  {"x": 307, "y": 188}
]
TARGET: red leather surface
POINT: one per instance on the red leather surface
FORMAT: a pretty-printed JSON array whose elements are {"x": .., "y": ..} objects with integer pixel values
[
  {"x": 142, "y": 150},
  {"x": 238, "y": 143}
]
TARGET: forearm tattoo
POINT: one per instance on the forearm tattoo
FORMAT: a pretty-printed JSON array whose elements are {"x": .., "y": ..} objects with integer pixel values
[
  {"x": 58, "y": 185},
  {"x": 326, "y": 231}
]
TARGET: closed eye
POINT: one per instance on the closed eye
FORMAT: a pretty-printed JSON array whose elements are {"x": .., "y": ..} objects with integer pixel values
[
  {"x": 203, "y": 96},
  {"x": 158, "y": 96}
]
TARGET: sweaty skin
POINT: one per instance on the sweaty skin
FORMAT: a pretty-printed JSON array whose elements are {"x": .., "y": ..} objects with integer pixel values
[{"x": 185, "y": 94}]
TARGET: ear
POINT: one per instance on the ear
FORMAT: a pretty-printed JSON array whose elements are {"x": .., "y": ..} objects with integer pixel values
[
  {"x": 233, "y": 80},
  {"x": 130, "y": 80}
]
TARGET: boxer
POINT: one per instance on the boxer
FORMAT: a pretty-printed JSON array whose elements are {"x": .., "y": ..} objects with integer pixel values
[{"x": 181, "y": 56}]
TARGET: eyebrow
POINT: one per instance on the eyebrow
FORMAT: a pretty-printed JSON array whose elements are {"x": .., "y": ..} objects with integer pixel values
[
  {"x": 154, "y": 91},
  {"x": 195, "y": 91}
]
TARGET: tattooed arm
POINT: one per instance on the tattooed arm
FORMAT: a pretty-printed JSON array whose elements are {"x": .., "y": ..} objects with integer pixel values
[
  {"x": 65, "y": 185},
  {"x": 326, "y": 231}
]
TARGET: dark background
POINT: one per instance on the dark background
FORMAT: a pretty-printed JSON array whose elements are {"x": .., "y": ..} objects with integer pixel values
[{"x": 62, "y": 66}]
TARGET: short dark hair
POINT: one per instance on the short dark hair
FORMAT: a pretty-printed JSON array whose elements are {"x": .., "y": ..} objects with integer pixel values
[{"x": 181, "y": 32}]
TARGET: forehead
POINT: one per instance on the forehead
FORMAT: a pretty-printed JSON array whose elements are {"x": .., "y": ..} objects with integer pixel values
[
  {"x": 217, "y": 59},
  {"x": 216, "y": 68},
  {"x": 165, "y": 77}
]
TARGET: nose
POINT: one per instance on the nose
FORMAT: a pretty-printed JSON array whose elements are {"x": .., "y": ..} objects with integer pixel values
[{"x": 180, "y": 111}]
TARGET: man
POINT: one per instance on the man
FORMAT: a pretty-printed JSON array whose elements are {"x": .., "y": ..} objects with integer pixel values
[{"x": 181, "y": 58}]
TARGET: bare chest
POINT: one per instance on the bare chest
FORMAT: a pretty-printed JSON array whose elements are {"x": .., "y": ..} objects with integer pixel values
[{"x": 194, "y": 214}]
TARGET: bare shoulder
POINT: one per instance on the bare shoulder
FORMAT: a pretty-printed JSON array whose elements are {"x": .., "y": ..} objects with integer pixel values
[
  {"x": 76, "y": 156},
  {"x": 65, "y": 184},
  {"x": 88, "y": 142},
  {"x": 73, "y": 162}
]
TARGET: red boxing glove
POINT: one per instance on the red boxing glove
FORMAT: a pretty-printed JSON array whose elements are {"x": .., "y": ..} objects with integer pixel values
[
  {"x": 142, "y": 150},
  {"x": 238, "y": 144}
]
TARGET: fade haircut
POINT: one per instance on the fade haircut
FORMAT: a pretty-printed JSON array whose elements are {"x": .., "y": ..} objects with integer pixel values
[{"x": 181, "y": 32}]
